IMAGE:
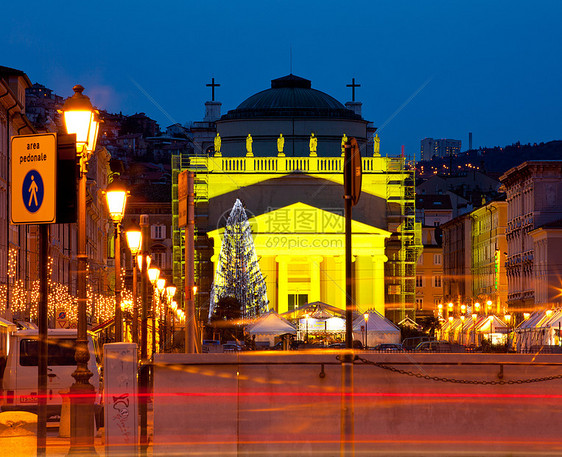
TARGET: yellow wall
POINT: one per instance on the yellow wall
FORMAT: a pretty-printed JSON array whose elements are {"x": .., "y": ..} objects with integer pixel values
[{"x": 313, "y": 263}]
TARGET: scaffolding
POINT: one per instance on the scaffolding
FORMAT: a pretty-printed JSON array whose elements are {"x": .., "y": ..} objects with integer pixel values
[
  {"x": 203, "y": 246},
  {"x": 404, "y": 246}
]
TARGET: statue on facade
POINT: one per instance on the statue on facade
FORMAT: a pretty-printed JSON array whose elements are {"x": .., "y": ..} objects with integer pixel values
[
  {"x": 218, "y": 143},
  {"x": 377, "y": 145},
  {"x": 343, "y": 141},
  {"x": 280, "y": 145},
  {"x": 313, "y": 144},
  {"x": 249, "y": 142}
]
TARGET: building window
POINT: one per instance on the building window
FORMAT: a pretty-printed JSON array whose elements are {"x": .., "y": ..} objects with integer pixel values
[
  {"x": 419, "y": 304},
  {"x": 158, "y": 232},
  {"x": 158, "y": 259},
  {"x": 436, "y": 259},
  {"x": 296, "y": 300},
  {"x": 437, "y": 281},
  {"x": 419, "y": 281}
]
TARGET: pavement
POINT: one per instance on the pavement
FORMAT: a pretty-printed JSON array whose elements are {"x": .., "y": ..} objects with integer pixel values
[{"x": 18, "y": 446}]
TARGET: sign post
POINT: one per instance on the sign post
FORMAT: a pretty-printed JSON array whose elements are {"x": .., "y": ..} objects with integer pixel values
[
  {"x": 33, "y": 193},
  {"x": 352, "y": 190}
]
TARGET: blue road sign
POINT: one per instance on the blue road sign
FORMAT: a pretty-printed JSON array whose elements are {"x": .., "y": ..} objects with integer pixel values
[{"x": 32, "y": 191}]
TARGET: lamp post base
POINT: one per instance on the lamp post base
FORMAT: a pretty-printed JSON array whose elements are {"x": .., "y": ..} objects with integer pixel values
[{"x": 82, "y": 398}]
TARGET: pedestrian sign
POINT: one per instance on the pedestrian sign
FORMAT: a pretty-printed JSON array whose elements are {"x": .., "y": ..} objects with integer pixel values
[
  {"x": 33, "y": 191},
  {"x": 34, "y": 179}
]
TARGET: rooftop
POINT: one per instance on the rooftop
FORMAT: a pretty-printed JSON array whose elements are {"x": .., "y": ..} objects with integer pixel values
[{"x": 291, "y": 96}]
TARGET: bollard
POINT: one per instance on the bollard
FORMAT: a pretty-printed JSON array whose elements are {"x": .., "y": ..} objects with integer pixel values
[
  {"x": 64, "y": 425},
  {"x": 18, "y": 434}
]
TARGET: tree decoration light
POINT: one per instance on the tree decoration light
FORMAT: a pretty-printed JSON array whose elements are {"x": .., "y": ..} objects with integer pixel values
[{"x": 238, "y": 273}]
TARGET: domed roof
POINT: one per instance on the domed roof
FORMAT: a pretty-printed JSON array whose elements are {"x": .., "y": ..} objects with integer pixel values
[{"x": 291, "y": 96}]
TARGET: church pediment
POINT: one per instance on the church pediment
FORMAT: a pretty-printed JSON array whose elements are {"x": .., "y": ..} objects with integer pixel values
[{"x": 300, "y": 218}]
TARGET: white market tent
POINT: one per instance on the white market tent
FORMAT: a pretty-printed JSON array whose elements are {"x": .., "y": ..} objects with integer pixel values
[
  {"x": 379, "y": 329},
  {"x": 491, "y": 328},
  {"x": 270, "y": 325},
  {"x": 542, "y": 328}
]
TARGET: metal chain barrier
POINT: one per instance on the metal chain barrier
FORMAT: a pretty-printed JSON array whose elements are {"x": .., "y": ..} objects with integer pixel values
[{"x": 385, "y": 366}]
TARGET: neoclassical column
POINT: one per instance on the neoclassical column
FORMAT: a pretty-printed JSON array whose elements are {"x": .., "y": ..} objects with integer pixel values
[
  {"x": 378, "y": 282},
  {"x": 340, "y": 281},
  {"x": 315, "y": 291},
  {"x": 340, "y": 272},
  {"x": 282, "y": 283}
]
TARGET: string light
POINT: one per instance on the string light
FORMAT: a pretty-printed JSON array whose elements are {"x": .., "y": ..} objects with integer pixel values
[{"x": 24, "y": 300}]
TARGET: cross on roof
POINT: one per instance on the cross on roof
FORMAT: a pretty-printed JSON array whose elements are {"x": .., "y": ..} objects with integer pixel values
[
  {"x": 212, "y": 86},
  {"x": 353, "y": 86}
]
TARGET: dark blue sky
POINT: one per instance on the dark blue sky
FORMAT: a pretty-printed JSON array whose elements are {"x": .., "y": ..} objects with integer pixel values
[{"x": 490, "y": 67}]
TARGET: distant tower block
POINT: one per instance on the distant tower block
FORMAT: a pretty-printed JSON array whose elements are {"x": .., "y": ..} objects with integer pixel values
[{"x": 469, "y": 141}]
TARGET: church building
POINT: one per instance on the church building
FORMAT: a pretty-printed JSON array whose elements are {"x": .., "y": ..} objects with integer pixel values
[{"x": 280, "y": 152}]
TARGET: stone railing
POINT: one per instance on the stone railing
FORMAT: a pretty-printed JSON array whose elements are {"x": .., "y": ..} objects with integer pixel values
[{"x": 291, "y": 164}]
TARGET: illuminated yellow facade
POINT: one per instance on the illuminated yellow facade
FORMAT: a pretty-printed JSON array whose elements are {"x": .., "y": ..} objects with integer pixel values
[
  {"x": 298, "y": 262},
  {"x": 295, "y": 210}
]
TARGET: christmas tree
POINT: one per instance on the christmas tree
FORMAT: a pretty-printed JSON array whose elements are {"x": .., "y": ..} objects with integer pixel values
[{"x": 238, "y": 273}]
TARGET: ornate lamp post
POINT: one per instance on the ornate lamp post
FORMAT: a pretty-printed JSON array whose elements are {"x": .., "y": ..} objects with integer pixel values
[
  {"x": 116, "y": 195},
  {"x": 161, "y": 286},
  {"x": 153, "y": 275},
  {"x": 80, "y": 119},
  {"x": 170, "y": 292},
  {"x": 474, "y": 317},
  {"x": 134, "y": 241},
  {"x": 366, "y": 317}
]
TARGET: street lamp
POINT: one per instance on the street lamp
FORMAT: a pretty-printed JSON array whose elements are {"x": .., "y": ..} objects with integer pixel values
[
  {"x": 134, "y": 241},
  {"x": 161, "y": 286},
  {"x": 81, "y": 119},
  {"x": 140, "y": 258},
  {"x": 116, "y": 195},
  {"x": 153, "y": 275},
  {"x": 366, "y": 317},
  {"x": 306, "y": 317},
  {"x": 474, "y": 317},
  {"x": 477, "y": 307},
  {"x": 488, "y": 306},
  {"x": 170, "y": 292},
  {"x": 450, "y": 308}
]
